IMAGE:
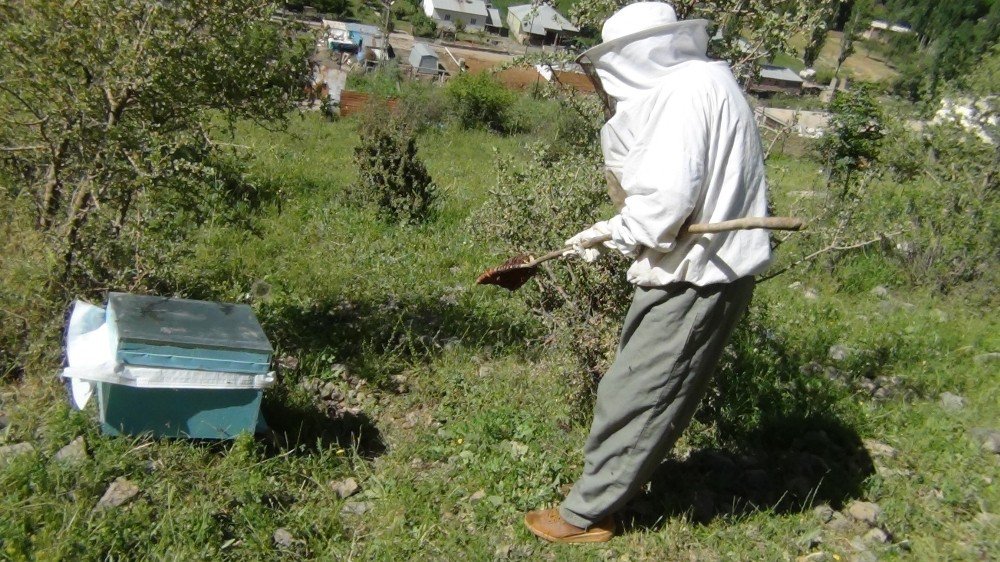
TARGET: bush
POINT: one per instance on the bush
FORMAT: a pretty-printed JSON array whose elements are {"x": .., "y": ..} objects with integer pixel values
[
  {"x": 854, "y": 136},
  {"x": 423, "y": 26},
  {"x": 538, "y": 205},
  {"x": 481, "y": 101},
  {"x": 389, "y": 171}
]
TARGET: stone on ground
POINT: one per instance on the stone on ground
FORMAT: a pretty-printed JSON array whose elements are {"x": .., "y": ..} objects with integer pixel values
[
  {"x": 75, "y": 451},
  {"x": 866, "y": 512},
  {"x": 119, "y": 492},
  {"x": 9, "y": 452},
  {"x": 345, "y": 488},
  {"x": 952, "y": 402}
]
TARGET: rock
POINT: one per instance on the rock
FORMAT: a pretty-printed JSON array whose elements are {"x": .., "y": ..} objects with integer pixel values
[
  {"x": 858, "y": 544},
  {"x": 879, "y": 449},
  {"x": 985, "y": 358},
  {"x": 329, "y": 390},
  {"x": 356, "y": 508},
  {"x": 810, "y": 540},
  {"x": 810, "y": 294},
  {"x": 834, "y": 374},
  {"x": 345, "y": 488},
  {"x": 841, "y": 352},
  {"x": 119, "y": 492},
  {"x": 866, "y": 512},
  {"x": 877, "y": 536},
  {"x": 951, "y": 402},
  {"x": 880, "y": 291},
  {"x": 795, "y": 286},
  {"x": 868, "y": 386},
  {"x": 75, "y": 451},
  {"x": 9, "y": 452},
  {"x": 839, "y": 523},
  {"x": 824, "y": 513},
  {"x": 988, "y": 438},
  {"x": 477, "y": 496},
  {"x": 882, "y": 393},
  {"x": 4, "y": 422},
  {"x": 815, "y": 557},
  {"x": 283, "y": 538},
  {"x": 288, "y": 363}
]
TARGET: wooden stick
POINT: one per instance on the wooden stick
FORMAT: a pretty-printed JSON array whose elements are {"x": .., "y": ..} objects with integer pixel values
[{"x": 747, "y": 223}]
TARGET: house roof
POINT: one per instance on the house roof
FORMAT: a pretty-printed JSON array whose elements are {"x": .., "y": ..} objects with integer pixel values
[
  {"x": 539, "y": 19},
  {"x": 779, "y": 73},
  {"x": 471, "y": 7},
  {"x": 422, "y": 50},
  {"x": 495, "y": 19}
]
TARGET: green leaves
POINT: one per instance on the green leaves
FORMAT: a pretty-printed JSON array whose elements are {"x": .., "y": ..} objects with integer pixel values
[
  {"x": 390, "y": 173},
  {"x": 118, "y": 97}
]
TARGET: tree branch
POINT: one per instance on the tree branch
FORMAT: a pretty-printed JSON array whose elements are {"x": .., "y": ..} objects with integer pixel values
[{"x": 831, "y": 248}]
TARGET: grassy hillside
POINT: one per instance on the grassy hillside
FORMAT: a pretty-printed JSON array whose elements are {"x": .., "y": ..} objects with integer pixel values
[{"x": 443, "y": 402}]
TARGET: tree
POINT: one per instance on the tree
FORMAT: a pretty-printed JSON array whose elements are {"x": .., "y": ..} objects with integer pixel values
[
  {"x": 107, "y": 107},
  {"x": 853, "y": 139},
  {"x": 852, "y": 29},
  {"x": 818, "y": 26},
  {"x": 751, "y": 29}
]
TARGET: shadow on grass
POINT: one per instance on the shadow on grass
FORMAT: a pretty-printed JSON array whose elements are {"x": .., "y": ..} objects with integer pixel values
[
  {"x": 786, "y": 438},
  {"x": 824, "y": 462},
  {"x": 373, "y": 337},
  {"x": 305, "y": 429}
]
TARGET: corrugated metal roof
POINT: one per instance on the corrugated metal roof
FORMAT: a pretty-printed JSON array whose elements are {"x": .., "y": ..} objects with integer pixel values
[
  {"x": 537, "y": 19},
  {"x": 471, "y": 7},
  {"x": 495, "y": 20},
  {"x": 779, "y": 73}
]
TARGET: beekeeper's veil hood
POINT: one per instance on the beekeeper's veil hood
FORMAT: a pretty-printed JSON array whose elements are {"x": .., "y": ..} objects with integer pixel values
[{"x": 641, "y": 43}]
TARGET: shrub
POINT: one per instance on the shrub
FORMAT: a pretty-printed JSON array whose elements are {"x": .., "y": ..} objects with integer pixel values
[
  {"x": 536, "y": 206},
  {"x": 854, "y": 136},
  {"x": 390, "y": 173},
  {"x": 480, "y": 101},
  {"x": 423, "y": 26}
]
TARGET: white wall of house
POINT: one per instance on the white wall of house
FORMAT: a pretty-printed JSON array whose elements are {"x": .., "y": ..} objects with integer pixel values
[{"x": 473, "y": 22}]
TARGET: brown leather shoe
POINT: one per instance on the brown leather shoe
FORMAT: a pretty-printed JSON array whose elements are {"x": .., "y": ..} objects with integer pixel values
[{"x": 549, "y": 525}]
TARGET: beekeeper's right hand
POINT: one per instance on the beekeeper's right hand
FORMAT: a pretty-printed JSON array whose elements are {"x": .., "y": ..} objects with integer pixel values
[{"x": 581, "y": 243}]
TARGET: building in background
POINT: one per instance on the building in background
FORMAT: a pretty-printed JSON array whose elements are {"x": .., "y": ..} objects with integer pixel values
[
  {"x": 539, "y": 25},
  {"x": 473, "y": 14}
]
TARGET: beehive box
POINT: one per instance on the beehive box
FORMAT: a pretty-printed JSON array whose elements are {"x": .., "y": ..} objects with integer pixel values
[{"x": 184, "y": 368}]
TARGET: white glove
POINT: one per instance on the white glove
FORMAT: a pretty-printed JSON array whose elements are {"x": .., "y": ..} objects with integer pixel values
[{"x": 580, "y": 243}]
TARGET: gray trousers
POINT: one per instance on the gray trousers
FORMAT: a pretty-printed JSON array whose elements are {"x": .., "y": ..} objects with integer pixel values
[{"x": 671, "y": 342}]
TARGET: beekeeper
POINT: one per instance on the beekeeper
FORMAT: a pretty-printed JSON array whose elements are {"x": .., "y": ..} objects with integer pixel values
[{"x": 683, "y": 147}]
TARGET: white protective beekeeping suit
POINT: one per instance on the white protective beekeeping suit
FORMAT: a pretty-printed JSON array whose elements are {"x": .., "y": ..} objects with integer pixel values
[{"x": 685, "y": 148}]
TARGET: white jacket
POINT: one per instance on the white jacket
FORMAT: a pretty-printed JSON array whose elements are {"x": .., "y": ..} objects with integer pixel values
[{"x": 685, "y": 146}]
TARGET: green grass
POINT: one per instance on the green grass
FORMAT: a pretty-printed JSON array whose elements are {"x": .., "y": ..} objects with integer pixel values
[{"x": 478, "y": 429}]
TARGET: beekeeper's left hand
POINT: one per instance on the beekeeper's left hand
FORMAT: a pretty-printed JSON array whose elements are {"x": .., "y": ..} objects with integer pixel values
[{"x": 581, "y": 243}]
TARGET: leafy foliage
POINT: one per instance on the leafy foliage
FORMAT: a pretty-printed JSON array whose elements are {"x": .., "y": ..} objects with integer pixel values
[
  {"x": 390, "y": 173},
  {"x": 423, "y": 26},
  {"x": 480, "y": 101},
  {"x": 854, "y": 135},
  {"x": 110, "y": 104}
]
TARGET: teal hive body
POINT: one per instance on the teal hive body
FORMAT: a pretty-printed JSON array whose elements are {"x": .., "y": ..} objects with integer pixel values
[
  {"x": 211, "y": 349},
  {"x": 187, "y": 334},
  {"x": 166, "y": 412}
]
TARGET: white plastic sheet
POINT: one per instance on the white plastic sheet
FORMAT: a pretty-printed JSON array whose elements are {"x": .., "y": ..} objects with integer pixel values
[{"x": 90, "y": 354}]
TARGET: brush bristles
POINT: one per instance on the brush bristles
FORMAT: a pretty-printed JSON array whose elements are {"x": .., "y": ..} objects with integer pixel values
[{"x": 510, "y": 275}]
